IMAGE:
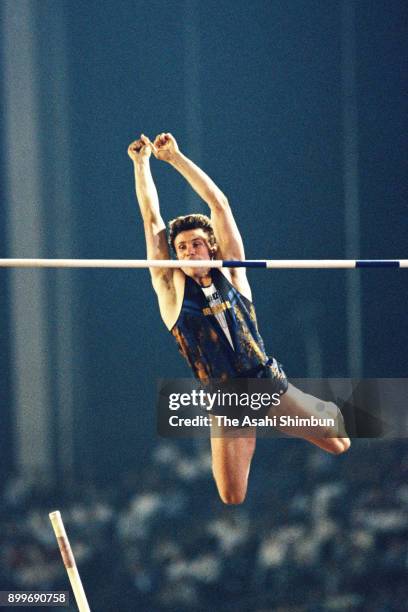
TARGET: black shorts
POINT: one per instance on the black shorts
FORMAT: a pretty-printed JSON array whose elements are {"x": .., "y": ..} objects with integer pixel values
[
  {"x": 272, "y": 381},
  {"x": 272, "y": 371}
]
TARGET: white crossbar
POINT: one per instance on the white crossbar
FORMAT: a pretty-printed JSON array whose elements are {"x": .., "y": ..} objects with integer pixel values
[{"x": 166, "y": 263}]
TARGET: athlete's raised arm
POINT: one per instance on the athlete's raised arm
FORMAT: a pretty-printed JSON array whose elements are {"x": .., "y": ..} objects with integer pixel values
[
  {"x": 229, "y": 241},
  {"x": 154, "y": 227}
]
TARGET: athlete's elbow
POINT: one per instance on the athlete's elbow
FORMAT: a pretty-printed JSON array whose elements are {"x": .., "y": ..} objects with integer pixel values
[{"x": 218, "y": 201}]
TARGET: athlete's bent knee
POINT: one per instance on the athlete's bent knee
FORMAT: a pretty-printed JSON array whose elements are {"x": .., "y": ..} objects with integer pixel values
[
  {"x": 231, "y": 493},
  {"x": 233, "y": 498},
  {"x": 340, "y": 445}
]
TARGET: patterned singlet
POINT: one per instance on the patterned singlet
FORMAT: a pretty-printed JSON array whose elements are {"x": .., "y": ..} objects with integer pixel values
[{"x": 204, "y": 343}]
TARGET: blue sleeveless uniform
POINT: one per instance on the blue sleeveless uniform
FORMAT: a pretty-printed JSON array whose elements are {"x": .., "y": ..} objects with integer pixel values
[{"x": 205, "y": 346}]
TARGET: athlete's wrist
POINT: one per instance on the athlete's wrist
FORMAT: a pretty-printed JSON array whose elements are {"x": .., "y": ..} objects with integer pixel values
[
  {"x": 176, "y": 158},
  {"x": 141, "y": 164}
]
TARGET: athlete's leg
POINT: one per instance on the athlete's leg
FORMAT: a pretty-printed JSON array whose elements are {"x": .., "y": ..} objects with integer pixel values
[
  {"x": 231, "y": 461},
  {"x": 297, "y": 403}
]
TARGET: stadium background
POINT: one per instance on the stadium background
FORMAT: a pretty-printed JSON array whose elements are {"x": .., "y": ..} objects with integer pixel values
[{"x": 298, "y": 111}]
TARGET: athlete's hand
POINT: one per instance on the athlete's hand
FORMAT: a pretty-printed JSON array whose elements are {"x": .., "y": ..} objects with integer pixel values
[
  {"x": 165, "y": 147},
  {"x": 140, "y": 149}
]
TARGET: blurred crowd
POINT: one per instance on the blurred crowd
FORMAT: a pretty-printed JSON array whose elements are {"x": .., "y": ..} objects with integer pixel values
[{"x": 317, "y": 532}]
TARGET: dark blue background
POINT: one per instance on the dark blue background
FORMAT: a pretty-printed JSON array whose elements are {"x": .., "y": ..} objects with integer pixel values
[{"x": 272, "y": 139}]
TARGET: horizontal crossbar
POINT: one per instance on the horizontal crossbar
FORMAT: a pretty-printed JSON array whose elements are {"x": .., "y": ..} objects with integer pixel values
[{"x": 171, "y": 263}]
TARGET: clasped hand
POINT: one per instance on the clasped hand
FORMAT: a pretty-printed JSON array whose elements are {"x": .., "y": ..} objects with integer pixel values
[{"x": 164, "y": 147}]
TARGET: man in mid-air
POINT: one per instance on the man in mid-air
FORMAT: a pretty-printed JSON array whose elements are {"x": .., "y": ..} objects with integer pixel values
[{"x": 210, "y": 311}]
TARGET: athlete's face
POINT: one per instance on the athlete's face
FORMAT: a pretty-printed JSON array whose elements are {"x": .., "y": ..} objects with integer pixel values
[{"x": 193, "y": 245}]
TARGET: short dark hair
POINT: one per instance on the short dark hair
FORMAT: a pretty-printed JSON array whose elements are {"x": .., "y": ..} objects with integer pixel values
[{"x": 188, "y": 222}]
